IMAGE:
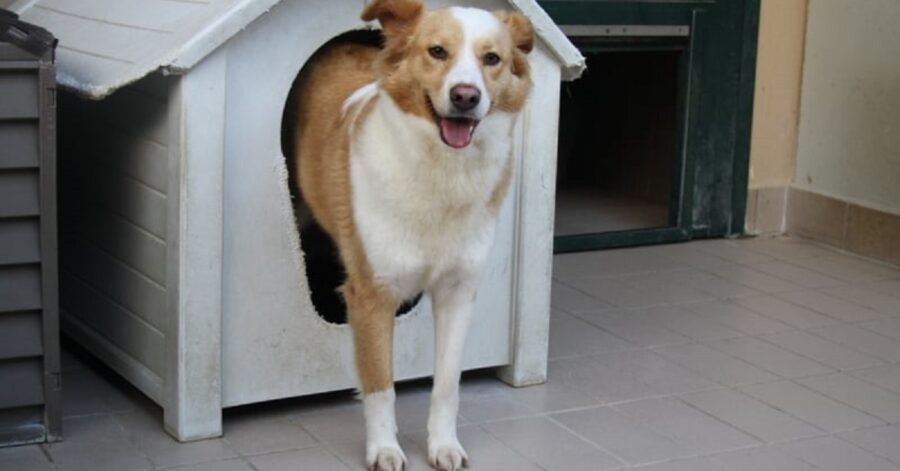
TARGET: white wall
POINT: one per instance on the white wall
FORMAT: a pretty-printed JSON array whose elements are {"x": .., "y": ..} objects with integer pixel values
[{"x": 849, "y": 141}]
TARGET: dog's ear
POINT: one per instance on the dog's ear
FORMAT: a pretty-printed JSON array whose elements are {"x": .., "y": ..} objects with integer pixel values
[
  {"x": 395, "y": 16},
  {"x": 520, "y": 28}
]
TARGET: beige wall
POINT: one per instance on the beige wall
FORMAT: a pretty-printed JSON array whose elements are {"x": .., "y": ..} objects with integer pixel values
[
  {"x": 777, "y": 97},
  {"x": 849, "y": 140}
]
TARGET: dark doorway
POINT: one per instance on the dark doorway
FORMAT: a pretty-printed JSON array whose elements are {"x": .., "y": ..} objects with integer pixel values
[
  {"x": 655, "y": 138},
  {"x": 618, "y": 146}
]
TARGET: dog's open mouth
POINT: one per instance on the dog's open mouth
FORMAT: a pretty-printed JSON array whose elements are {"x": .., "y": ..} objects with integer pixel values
[{"x": 456, "y": 132}]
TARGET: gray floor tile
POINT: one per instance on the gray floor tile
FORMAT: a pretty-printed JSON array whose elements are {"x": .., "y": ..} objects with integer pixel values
[
  {"x": 335, "y": 424},
  {"x": 786, "y": 312},
  {"x": 887, "y": 327},
  {"x": 484, "y": 408},
  {"x": 732, "y": 251},
  {"x": 653, "y": 289},
  {"x": 24, "y": 458},
  {"x": 862, "y": 340},
  {"x": 752, "y": 416},
  {"x": 551, "y": 446},
  {"x": 765, "y": 458},
  {"x": 583, "y": 382},
  {"x": 562, "y": 394},
  {"x": 886, "y": 287},
  {"x": 716, "y": 365},
  {"x": 810, "y": 406},
  {"x": 702, "y": 463},
  {"x": 849, "y": 268},
  {"x": 687, "y": 255},
  {"x": 633, "y": 328},
  {"x": 624, "y": 436},
  {"x": 688, "y": 425},
  {"x": 737, "y": 317},
  {"x": 715, "y": 286},
  {"x": 770, "y": 358},
  {"x": 887, "y": 377},
  {"x": 318, "y": 459},
  {"x": 796, "y": 274},
  {"x": 253, "y": 436},
  {"x": 832, "y": 454},
  {"x": 144, "y": 429},
  {"x": 612, "y": 263},
  {"x": 566, "y": 298},
  {"x": 888, "y": 304},
  {"x": 571, "y": 336},
  {"x": 830, "y": 306},
  {"x": 662, "y": 375},
  {"x": 824, "y": 351},
  {"x": 687, "y": 323},
  {"x": 611, "y": 291},
  {"x": 786, "y": 248},
  {"x": 754, "y": 279},
  {"x": 96, "y": 443},
  {"x": 857, "y": 393},
  {"x": 882, "y": 441},
  {"x": 225, "y": 465}
]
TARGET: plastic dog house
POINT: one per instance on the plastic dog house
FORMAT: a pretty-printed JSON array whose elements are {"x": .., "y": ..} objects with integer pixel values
[{"x": 181, "y": 261}]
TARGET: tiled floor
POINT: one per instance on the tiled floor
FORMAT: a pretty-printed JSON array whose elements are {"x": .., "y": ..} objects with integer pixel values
[{"x": 752, "y": 355}]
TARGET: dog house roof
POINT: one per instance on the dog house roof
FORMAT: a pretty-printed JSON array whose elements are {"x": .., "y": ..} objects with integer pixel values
[{"x": 106, "y": 44}]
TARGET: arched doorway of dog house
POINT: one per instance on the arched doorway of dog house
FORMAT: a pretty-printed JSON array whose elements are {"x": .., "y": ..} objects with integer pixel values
[{"x": 324, "y": 271}]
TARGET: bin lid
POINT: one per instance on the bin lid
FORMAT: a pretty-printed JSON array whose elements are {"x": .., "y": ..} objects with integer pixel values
[{"x": 27, "y": 36}]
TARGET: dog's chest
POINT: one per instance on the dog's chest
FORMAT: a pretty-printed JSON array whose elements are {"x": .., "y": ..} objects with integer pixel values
[{"x": 421, "y": 213}]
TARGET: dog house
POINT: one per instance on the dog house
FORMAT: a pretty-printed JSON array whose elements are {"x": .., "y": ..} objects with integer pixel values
[{"x": 181, "y": 260}]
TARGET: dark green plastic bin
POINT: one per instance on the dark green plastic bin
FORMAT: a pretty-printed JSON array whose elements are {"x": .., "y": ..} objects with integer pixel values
[{"x": 29, "y": 308}]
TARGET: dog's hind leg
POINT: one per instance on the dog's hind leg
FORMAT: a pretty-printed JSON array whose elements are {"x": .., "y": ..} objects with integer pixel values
[
  {"x": 370, "y": 311},
  {"x": 453, "y": 300}
]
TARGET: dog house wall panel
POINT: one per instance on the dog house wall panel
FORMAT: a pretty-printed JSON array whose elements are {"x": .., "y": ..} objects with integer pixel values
[
  {"x": 114, "y": 210},
  {"x": 182, "y": 266}
]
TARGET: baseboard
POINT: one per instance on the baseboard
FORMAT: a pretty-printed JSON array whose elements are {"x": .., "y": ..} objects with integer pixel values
[
  {"x": 843, "y": 224},
  {"x": 766, "y": 210}
]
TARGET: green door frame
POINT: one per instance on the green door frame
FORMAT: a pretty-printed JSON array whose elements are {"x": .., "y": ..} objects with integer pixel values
[{"x": 716, "y": 116}]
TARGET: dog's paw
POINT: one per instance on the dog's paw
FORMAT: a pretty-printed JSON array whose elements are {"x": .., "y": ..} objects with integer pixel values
[
  {"x": 447, "y": 455},
  {"x": 385, "y": 458}
]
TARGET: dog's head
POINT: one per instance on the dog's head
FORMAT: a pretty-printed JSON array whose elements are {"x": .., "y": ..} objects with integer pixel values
[{"x": 453, "y": 66}]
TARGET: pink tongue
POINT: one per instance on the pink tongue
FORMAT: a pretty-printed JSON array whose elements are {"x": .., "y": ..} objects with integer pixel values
[{"x": 457, "y": 133}]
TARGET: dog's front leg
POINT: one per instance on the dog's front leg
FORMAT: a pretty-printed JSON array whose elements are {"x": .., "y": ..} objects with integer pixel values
[
  {"x": 371, "y": 314},
  {"x": 452, "y": 300}
]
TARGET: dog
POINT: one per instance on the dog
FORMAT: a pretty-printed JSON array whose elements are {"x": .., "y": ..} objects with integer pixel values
[{"x": 404, "y": 155}]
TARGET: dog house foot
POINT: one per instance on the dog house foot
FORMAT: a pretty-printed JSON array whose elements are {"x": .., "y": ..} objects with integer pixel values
[{"x": 519, "y": 375}]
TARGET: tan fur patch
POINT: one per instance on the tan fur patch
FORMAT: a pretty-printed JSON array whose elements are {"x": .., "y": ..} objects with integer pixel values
[
  {"x": 322, "y": 143},
  {"x": 415, "y": 75}
]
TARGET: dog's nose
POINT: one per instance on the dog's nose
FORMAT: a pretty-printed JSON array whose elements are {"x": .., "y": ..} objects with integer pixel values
[{"x": 465, "y": 97}]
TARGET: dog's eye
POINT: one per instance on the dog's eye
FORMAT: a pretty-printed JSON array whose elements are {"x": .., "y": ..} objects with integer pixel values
[
  {"x": 491, "y": 58},
  {"x": 438, "y": 53}
]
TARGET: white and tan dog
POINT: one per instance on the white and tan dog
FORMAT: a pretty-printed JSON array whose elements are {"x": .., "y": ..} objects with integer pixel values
[{"x": 404, "y": 157}]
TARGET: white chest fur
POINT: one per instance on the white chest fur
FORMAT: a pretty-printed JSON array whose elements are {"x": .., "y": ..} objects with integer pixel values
[{"x": 420, "y": 207}]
